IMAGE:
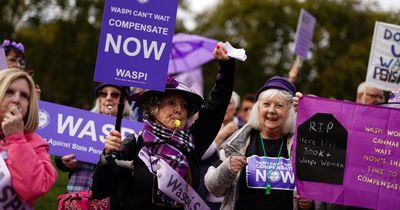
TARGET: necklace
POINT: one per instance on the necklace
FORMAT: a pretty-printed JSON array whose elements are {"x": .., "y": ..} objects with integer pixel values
[{"x": 268, "y": 187}]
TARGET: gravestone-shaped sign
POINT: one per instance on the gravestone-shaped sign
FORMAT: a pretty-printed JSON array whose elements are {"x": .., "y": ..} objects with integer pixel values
[{"x": 321, "y": 149}]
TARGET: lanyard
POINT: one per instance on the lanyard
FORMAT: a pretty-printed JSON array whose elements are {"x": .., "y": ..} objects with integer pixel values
[{"x": 268, "y": 187}]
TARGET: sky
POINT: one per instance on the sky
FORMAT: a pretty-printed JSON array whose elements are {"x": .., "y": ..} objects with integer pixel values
[{"x": 198, "y": 6}]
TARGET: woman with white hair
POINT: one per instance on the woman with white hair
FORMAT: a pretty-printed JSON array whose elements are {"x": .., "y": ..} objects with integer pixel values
[
  {"x": 81, "y": 173},
  {"x": 255, "y": 162}
]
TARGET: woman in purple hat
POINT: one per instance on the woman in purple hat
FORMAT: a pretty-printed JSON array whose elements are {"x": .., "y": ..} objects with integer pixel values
[
  {"x": 255, "y": 170},
  {"x": 168, "y": 138},
  {"x": 14, "y": 54}
]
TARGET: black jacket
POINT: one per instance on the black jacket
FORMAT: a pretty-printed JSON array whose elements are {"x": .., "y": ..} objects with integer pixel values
[{"x": 135, "y": 191}]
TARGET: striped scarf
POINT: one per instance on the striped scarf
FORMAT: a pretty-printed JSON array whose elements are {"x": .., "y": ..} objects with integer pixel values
[{"x": 169, "y": 145}]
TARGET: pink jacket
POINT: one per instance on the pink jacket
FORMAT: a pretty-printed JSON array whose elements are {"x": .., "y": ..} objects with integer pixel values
[{"x": 28, "y": 161}]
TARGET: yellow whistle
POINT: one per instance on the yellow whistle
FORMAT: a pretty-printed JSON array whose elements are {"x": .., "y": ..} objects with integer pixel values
[{"x": 177, "y": 123}]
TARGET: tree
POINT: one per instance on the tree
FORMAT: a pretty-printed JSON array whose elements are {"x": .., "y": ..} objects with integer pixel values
[{"x": 14, "y": 12}]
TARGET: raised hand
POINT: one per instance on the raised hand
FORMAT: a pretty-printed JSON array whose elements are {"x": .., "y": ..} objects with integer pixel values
[{"x": 220, "y": 52}]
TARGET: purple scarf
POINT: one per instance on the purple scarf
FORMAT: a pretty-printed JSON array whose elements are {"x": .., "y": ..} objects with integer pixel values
[{"x": 169, "y": 145}]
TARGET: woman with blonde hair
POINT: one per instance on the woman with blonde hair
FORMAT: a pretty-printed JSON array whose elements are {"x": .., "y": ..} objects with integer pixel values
[{"x": 28, "y": 170}]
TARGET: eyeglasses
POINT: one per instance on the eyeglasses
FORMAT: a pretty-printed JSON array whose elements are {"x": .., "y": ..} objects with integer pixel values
[
  {"x": 114, "y": 95},
  {"x": 380, "y": 97}
]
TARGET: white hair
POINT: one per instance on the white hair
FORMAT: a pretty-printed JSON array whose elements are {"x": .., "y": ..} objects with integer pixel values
[
  {"x": 236, "y": 99},
  {"x": 254, "y": 116},
  {"x": 362, "y": 87}
]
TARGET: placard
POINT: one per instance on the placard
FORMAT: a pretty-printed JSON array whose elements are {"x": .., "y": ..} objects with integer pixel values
[
  {"x": 135, "y": 43},
  {"x": 80, "y": 132},
  {"x": 304, "y": 34},
  {"x": 384, "y": 60},
  {"x": 358, "y": 169}
]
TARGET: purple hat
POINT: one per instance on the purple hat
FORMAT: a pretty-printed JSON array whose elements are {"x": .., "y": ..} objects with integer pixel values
[
  {"x": 195, "y": 101},
  {"x": 394, "y": 99},
  {"x": 277, "y": 82}
]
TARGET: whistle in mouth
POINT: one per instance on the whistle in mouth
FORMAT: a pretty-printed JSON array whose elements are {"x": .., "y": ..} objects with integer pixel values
[{"x": 177, "y": 123}]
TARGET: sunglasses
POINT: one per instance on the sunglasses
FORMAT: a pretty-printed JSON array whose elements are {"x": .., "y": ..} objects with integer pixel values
[{"x": 114, "y": 95}]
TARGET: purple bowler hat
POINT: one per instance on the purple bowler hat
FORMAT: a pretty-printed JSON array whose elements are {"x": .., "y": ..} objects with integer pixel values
[{"x": 277, "y": 82}]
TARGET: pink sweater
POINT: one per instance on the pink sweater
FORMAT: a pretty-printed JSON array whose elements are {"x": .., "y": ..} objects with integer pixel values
[{"x": 29, "y": 164}]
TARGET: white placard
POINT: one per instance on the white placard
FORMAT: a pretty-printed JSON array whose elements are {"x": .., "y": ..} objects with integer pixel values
[{"x": 384, "y": 61}]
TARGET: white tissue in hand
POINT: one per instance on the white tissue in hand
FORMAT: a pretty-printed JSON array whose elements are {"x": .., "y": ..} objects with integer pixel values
[{"x": 239, "y": 54}]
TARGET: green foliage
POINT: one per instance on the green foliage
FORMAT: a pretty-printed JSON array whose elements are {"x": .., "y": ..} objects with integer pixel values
[{"x": 13, "y": 12}]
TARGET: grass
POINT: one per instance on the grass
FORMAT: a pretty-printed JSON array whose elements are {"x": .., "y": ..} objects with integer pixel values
[{"x": 49, "y": 200}]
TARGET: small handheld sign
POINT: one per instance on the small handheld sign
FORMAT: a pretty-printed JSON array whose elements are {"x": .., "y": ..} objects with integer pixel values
[
  {"x": 304, "y": 33},
  {"x": 384, "y": 62}
]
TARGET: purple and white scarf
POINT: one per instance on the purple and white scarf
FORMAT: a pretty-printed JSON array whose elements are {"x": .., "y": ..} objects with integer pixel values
[{"x": 169, "y": 145}]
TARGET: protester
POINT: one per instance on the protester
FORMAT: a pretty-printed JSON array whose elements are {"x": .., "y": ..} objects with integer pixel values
[
  {"x": 24, "y": 152},
  {"x": 166, "y": 136},
  {"x": 80, "y": 173},
  {"x": 267, "y": 136},
  {"x": 15, "y": 56},
  {"x": 244, "y": 109},
  {"x": 229, "y": 126},
  {"x": 369, "y": 95}
]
